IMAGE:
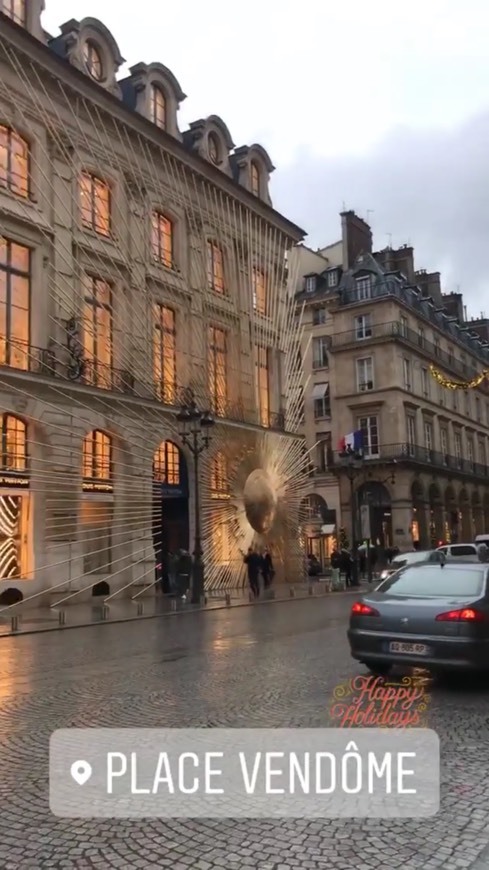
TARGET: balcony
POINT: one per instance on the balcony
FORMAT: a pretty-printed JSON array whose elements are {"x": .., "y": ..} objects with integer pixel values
[
  {"x": 396, "y": 331},
  {"x": 415, "y": 454},
  {"x": 25, "y": 359}
]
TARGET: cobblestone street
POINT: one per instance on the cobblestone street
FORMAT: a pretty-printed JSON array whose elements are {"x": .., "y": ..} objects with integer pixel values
[{"x": 276, "y": 665}]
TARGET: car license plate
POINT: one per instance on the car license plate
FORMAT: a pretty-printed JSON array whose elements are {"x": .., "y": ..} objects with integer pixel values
[{"x": 417, "y": 649}]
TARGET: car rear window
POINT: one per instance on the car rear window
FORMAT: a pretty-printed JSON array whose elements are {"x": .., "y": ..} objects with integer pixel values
[
  {"x": 463, "y": 550},
  {"x": 436, "y": 582}
]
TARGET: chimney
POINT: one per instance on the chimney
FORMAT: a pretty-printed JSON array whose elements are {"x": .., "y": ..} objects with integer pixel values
[
  {"x": 429, "y": 284},
  {"x": 356, "y": 236}
]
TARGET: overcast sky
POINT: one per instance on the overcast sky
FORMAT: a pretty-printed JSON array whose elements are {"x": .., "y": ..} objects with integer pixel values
[{"x": 382, "y": 107}]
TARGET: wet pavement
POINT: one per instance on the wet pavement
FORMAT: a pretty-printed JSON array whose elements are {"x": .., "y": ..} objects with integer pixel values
[{"x": 275, "y": 665}]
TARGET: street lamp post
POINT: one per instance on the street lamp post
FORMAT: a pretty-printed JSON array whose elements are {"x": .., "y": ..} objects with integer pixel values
[
  {"x": 195, "y": 426},
  {"x": 353, "y": 462}
]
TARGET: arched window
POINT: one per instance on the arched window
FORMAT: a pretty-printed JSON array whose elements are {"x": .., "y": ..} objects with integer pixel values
[
  {"x": 255, "y": 179},
  {"x": 93, "y": 60},
  {"x": 166, "y": 464},
  {"x": 213, "y": 148},
  {"x": 97, "y": 456},
  {"x": 219, "y": 476},
  {"x": 215, "y": 267},
  {"x": 158, "y": 107},
  {"x": 14, "y": 443}
]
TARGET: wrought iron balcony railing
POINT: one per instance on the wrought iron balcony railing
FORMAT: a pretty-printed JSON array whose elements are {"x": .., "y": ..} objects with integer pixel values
[
  {"x": 21, "y": 357},
  {"x": 414, "y": 454},
  {"x": 396, "y": 331}
]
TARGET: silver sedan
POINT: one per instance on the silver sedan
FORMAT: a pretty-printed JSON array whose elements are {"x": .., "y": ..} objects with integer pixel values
[{"x": 430, "y": 616}]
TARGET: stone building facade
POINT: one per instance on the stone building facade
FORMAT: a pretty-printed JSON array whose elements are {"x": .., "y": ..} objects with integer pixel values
[
  {"x": 141, "y": 267},
  {"x": 373, "y": 328}
]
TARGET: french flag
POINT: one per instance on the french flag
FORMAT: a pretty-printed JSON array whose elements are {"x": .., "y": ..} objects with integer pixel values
[{"x": 352, "y": 443}]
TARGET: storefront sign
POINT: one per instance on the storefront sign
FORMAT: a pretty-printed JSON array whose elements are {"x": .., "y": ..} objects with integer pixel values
[
  {"x": 14, "y": 481},
  {"x": 97, "y": 486}
]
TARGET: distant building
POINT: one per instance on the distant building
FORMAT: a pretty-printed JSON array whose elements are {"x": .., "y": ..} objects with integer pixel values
[{"x": 373, "y": 327}]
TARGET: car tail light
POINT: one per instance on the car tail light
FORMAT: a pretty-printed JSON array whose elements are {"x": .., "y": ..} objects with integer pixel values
[
  {"x": 364, "y": 609},
  {"x": 467, "y": 614}
]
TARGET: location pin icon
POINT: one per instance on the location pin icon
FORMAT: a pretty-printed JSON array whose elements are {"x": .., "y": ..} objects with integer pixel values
[{"x": 81, "y": 771}]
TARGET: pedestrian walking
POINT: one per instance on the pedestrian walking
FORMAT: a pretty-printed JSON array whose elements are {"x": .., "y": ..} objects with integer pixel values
[
  {"x": 267, "y": 569},
  {"x": 253, "y": 562}
]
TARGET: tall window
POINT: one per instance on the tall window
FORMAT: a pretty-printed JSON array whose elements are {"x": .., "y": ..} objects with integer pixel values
[
  {"x": 15, "y": 9},
  {"x": 14, "y": 162},
  {"x": 425, "y": 382},
  {"x": 482, "y": 451},
  {"x": 363, "y": 326},
  {"x": 165, "y": 353},
  {"x": 428, "y": 436},
  {"x": 310, "y": 283},
  {"x": 15, "y": 291},
  {"x": 406, "y": 367},
  {"x": 262, "y": 380},
  {"x": 319, "y": 316},
  {"x": 95, "y": 203},
  {"x": 215, "y": 267},
  {"x": 322, "y": 401},
  {"x": 93, "y": 60},
  {"x": 259, "y": 292},
  {"x": 320, "y": 352},
  {"x": 365, "y": 374},
  {"x": 217, "y": 364},
  {"x": 403, "y": 326},
  {"x": 219, "y": 476},
  {"x": 158, "y": 107},
  {"x": 411, "y": 433},
  {"x": 14, "y": 444},
  {"x": 166, "y": 464},
  {"x": 369, "y": 426},
  {"x": 444, "y": 443},
  {"x": 97, "y": 456},
  {"x": 162, "y": 239},
  {"x": 363, "y": 288},
  {"x": 457, "y": 441},
  {"x": 97, "y": 331},
  {"x": 324, "y": 452},
  {"x": 255, "y": 179},
  {"x": 470, "y": 450}
]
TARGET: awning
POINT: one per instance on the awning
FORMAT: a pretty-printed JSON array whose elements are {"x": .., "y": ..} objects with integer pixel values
[
  {"x": 327, "y": 530},
  {"x": 319, "y": 391}
]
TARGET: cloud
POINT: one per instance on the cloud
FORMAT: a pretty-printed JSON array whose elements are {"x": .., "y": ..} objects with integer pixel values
[{"x": 429, "y": 188}]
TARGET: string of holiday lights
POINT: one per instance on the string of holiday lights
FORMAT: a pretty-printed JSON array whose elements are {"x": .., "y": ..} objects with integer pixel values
[{"x": 459, "y": 385}]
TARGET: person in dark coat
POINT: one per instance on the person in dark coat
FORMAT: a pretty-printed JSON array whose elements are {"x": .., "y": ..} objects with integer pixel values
[
  {"x": 253, "y": 562},
  {"x": 267, "y": 569}
]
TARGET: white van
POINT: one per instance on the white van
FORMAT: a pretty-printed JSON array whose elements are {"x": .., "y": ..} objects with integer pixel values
[
  {"x": 465, "y": 552},
  {"x": 482, "y": 539}
]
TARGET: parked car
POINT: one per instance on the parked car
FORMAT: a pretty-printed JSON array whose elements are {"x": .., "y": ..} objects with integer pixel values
[
  {"x": 426, "y": 615},
  {"x": 466, "y": 552},
  {"x": 412, "y": 558}
]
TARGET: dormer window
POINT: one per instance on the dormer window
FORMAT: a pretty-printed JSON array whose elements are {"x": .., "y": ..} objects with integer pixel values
[
  {"x": 93, "y": 60},
  {"x": 310, "y": 284},
  {"x": 158, "y": 107},
  {"x": 213, "y": 148},
  {"x": 363, "y": 287},
  {"x": 332, "y": 278},
  {"x": 255, "y": 179},
  {"x": 15, "y": 9}
]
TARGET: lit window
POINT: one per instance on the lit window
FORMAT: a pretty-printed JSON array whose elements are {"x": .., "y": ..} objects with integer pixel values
[
  {"x": 219, "y": 476},
  {"x": 164, "y": 353},
  {"x": 14, "y": 162},
  {"x": 93, "y": 60},
  {"x": 217, "y": 366},
  {"x": 15, "y": 291},
  {"x": 162, "y": 239},
  {"x": 158, "y": 107},
  {"x": 14, "y": 443},
  {"x": 97, "y": 332},
  {"x": 262, "y": 382},
  {"x": 95, "y": 203},
  {"x": 15, "y": 9},
  {"x": 215, "y": 267},
  {"x": 97, "y": 456},
  {"x": 255, "y": 179},
  {"x": 166, "y": 464},
  {"x": 259, "y": 292},
  {"x": 213, "y": 148}
]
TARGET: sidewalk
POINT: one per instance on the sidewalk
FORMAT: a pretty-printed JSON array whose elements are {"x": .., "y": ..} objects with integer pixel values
[{"x": 20, "y": 620}]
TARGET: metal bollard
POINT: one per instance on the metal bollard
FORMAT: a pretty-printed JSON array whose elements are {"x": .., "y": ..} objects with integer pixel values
[
  {"x": 140, "y": 608},
  {"x": 174, "y": 604},
  {"x": 203, "y": 600},
  {"x": 61, "y": 617},
  {"x": 14, "y": 623},
  {"x": 311, "y": 589},
  {"x": 105, "y": 612},
  {"x": 227, "y": 599},
  {"x": 292, "y": 592}
]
